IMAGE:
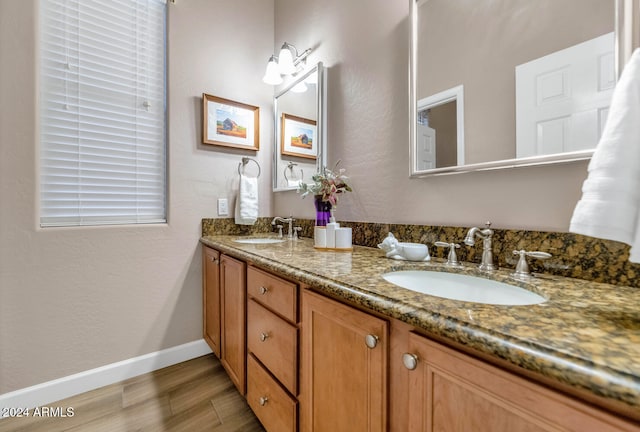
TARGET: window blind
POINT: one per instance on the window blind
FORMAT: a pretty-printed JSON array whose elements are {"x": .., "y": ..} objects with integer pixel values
[{"x": 102, "y": 112}]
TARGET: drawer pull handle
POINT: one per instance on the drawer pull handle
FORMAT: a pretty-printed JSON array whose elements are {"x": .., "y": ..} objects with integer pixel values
[
  {"x": 263, "y": 290},
  {"x": 263, "y": 400},
  {"x": 371, "y": 341},
  {"x": 410, "y": 361},
  {"x": 263, "y": 337}
]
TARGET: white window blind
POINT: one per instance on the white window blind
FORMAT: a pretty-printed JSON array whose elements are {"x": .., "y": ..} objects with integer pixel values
[{"x": 102, "y": 112}]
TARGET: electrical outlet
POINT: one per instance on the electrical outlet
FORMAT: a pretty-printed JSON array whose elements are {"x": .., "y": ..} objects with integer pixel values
[{"x": 223, "y": 207}]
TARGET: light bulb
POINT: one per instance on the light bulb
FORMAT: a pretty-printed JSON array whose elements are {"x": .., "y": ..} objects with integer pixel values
[
  {"x": 285, "y": 60},
  {"x": 272, "y": 75},
  {"x": 301, "y": 87}
]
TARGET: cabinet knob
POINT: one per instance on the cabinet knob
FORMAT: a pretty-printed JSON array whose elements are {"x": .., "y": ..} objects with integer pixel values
[
  {"x": 371, "y": 341},
  {"x": 263, "y": 400},
  {"x": 264, "y": 337},
  {"x": 263, "y": 290},
  {"x": 410, "y": 361},
  {"x": 214, "y": 260}
]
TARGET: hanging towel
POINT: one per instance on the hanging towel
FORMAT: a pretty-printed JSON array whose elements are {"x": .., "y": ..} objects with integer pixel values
[
  {"x": 247, "y": 201},
  {"x": 610, "y": 204}
]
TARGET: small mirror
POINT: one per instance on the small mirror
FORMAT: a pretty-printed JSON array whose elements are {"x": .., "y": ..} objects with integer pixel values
[
  {"x": 502, "y": 83},
  {"x": 299, "y": 146}
]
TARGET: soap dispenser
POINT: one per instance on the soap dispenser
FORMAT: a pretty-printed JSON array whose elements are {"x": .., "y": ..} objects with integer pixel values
[{"x": 331, "y": 232}]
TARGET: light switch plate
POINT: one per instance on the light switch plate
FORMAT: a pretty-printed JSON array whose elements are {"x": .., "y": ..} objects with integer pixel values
[{"x": 223, "y": 207}]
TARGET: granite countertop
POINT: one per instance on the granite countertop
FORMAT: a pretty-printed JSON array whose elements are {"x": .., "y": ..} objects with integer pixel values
[{"x": 586, "y": 335}]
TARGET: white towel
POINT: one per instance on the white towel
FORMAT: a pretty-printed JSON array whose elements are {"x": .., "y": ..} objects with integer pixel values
[
  {"x": 610, "y": 204},
  {"x": 247, "y": 201}
]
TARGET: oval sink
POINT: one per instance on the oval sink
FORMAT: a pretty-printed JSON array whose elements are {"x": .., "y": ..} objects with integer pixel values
[
  {"x": 463, "y": 287},
  {"x": 263, "y": 240}
]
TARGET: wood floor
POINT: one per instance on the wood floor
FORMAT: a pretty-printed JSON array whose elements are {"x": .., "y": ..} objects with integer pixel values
[{"x": 194, "y": 396}]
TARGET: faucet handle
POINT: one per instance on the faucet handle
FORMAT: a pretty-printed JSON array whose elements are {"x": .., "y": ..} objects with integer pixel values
[
  {"x": 279, "y": 230},
  {"x": 452, "y": 257},
  {"x": 296, "y": 230},
  {"x": 522, "y": 267}
]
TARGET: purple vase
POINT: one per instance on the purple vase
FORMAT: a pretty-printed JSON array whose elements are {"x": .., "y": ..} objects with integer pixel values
[{"x": 323, "y": 211}]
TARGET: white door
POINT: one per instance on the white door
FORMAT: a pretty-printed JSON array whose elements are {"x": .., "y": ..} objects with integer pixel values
[
  {"x": 562, "y": 99},
  {"x": 426, "y": 148}
]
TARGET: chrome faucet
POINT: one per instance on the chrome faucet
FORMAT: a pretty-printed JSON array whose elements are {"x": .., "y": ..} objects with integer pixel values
[
  {"x": 289, "y": 221},
  {"x": 487, "y": 246}
]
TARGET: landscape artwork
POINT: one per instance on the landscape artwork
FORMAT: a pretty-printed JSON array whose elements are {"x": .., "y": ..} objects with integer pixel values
[
  {"x": 229, "y": 123},
  {"x": 298, "y": 137}
]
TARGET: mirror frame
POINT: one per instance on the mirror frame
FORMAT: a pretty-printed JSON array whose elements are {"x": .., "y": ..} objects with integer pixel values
[
  {"x": 320, "y": 122},
  {"x": 625, "y": 26}
]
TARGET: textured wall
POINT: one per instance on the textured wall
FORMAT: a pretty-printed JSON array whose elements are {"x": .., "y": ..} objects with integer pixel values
[
  {"x": 364, "y": 43},
  {"x": 78, "y": 298}
]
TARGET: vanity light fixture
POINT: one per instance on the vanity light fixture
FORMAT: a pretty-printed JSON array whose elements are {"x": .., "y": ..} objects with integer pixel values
[{"x": 287, "y": 63}]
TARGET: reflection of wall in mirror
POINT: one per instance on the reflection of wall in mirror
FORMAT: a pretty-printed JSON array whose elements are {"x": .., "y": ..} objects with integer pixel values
[
  {"x": 479, "y": 44},
  {"x": 443, "y": 119}
]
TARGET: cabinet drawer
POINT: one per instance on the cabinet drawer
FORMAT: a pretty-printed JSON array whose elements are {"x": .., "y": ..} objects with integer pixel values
[
  {"x": 277, "y": 411},
  {"x": 277, "y": 294},
  {"x": 274, "y": 342}
]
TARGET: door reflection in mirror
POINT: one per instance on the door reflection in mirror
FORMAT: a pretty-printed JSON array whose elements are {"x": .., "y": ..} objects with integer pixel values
[{"x": 440, "y": 130}]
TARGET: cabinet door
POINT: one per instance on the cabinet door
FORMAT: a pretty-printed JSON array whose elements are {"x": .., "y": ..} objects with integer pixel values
[
  {"x": 233, "y": 308},
  {"x": 453, "y": 392},
  {"x": 344, "y": 368},
  {"x": 211, "y": 298}
]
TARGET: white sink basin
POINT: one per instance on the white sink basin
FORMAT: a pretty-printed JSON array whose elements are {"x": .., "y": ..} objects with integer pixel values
[
  {"x": 463, "y": 287},
  {"x": 263, "y": 240}
]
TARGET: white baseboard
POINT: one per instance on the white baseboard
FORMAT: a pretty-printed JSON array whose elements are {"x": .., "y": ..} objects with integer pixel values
[{"x": 62, "y": 388}]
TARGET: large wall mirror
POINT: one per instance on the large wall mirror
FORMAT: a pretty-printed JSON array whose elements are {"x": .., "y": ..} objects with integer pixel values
[
  {"x": 501, "y": 83},
  {"x": 299, "y": 144}
]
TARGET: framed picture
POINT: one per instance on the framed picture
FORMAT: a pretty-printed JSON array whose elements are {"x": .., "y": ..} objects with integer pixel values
[
  {"x": 298, "y": 137},
  {"x": 229, "y": 123}
]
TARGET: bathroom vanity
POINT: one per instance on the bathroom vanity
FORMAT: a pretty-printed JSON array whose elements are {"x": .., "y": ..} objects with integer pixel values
[{"x": 330, "y": 345}]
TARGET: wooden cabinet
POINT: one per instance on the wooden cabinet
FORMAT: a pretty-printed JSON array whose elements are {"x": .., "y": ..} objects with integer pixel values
[
  {"x": 224, "y": 312},
  {"x": 211, "y": 298},
  {"x": 275, "y": 343},
  {"x": 233, "y": 315},
  {"x": 272, "y": 343},
  {"x": 344, "y": 367},
  {"x": 453, "y": 392},
  {"x": 313, "y": 363},
  {"x": 274, "y": 293},
  {"x": 276, "y": 409}
]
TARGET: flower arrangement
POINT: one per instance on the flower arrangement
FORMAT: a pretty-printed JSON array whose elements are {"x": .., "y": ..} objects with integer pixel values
[{"x": 328, "y": 183}]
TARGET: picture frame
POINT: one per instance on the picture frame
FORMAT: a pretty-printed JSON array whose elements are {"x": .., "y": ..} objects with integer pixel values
[
  {"x": 298, "y": 137},
  {"x": 229, "y": 123}
]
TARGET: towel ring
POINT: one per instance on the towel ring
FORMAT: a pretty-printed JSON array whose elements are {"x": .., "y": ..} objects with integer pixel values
[
  {"x": 245, "y": 161},
  {"x": 290, "y": 167}
]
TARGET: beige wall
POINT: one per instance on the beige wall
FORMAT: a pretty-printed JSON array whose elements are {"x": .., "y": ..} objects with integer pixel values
[
  {"x": 364, "y": 43},
  {"x": 78, "y": 298}
]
